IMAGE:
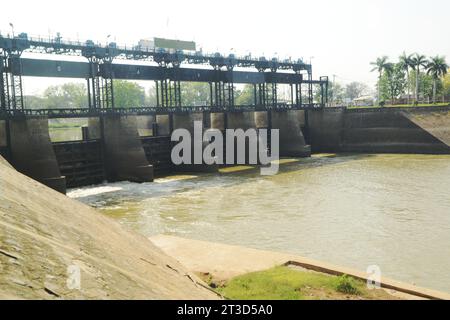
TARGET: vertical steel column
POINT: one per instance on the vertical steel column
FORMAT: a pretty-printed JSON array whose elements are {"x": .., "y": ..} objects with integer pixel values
[
  {"x": 88, "y": 86},
  {"x": 180, "y": 103},
  {"x": 262, "y": 94},
  {"x": 324, "y": 81},
  {"x": 16, "y": 91},
  {"x": 107, "y": 84},
  {"x": 3, "y": 85},
  {"x": 292, "y": 94},
  {"x": 94, "y": 83},
  {"x": 216, "y": 95},
  {"x": 166, "y": 93},
  {"x": 91, "y": 91},
  {"x": 157, "y": 94},
  {"x": 211, "y": 103},
  {"x": 310, "y": 87},
  {"x": 170, "y": 89},
  {"x": 230, "y": 86},
  {"x": 322, "y": 101},
  {"x": 274, "y": 94},
  {"x": 224, "y": 94}
]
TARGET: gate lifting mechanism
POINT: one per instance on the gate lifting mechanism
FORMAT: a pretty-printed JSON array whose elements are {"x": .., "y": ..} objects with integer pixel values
[{"x": 167, "y": 76}]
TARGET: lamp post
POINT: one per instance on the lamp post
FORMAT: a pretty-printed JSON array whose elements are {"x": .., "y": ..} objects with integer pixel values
[{"x": 12, "y": 28}]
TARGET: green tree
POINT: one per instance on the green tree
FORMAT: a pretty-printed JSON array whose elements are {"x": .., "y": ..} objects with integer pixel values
[
  {"x": 393, "y": 82},
  {"x": 355, "y": 90},
  {"x": 245, "y": 96},
  {"x": 128, "y": 94},
  {"x": 446, "y": 84},
  {"x": 35, "y": 102},
  {"x": 418, "y": 61},
  {"x": 406, "y": 63},
  {"x": 195, "y": 94},
  {"x": 436, "y": 68},
  {"x": 425, "y": 89},
  {"x": 336, "y": 93},
  {"x": 379, "y": 66},
  {"x": 68, "y": 95},
  {"x": 150, "y": 98}
]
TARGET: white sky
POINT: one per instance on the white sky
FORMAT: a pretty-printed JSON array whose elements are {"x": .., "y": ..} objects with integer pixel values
[{"x": 343, "y": 36}]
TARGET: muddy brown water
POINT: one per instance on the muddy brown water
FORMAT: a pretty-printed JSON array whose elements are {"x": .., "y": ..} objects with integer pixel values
[{"x": 392, "y": 211}]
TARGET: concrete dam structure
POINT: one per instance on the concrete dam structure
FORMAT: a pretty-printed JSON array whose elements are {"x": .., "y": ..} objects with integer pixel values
[
  {"x": 421, "y": 130},
  {"x": 113, "y": 150}
]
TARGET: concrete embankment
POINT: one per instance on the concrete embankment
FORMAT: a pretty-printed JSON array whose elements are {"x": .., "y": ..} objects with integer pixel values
[
  {"x": 47, "y": 239},
  {"x": 423, "y": 130},
  {"x": 227, "y": 261}
]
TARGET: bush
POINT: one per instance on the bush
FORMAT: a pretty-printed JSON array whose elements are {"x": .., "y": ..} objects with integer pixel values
[{"x": 347, "y": 285}]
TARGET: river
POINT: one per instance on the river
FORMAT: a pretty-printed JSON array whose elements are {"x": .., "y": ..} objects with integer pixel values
[{"x": 352, "y": 210}]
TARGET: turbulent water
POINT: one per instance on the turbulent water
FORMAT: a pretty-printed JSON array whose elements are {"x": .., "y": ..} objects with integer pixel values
[{"x": 352, "y": 210}]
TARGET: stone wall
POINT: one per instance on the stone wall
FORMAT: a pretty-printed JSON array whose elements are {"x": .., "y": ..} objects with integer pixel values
[{"x": 124, "y": 155}]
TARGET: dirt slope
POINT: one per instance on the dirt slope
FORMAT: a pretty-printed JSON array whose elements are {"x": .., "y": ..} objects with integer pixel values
[
  {"x": 435, "y": 123},
  {"x": 46, "y": 237}
]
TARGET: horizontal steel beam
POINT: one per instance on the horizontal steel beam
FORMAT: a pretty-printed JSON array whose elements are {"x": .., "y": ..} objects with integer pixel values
[
  {"x": 88, "y": 113},
  {"x": 71, "y": 69},
  {"x": 54, "y": 69}
]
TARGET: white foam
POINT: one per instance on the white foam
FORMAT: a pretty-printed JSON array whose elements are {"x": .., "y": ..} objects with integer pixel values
[{"x": 92, "y": 191}]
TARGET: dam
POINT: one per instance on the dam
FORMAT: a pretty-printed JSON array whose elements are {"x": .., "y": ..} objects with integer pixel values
[
  {"x": 330, "y": 200},
  {"x": 112, "y": 149}
]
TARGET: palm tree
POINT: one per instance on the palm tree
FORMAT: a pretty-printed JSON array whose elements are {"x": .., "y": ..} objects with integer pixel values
[
  {"x": 437, "y": 68},
  {"x": 406, "y": 63},
  {"x": 380, "y": 66},
  {"x": 418, "y": 61}
]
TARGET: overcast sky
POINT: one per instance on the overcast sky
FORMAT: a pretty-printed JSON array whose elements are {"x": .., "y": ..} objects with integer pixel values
[{"x": 342, "y": 36}]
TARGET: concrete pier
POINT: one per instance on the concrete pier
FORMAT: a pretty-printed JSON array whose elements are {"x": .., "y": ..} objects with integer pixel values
[
  {"x": 186, "y": 121},
  {"x": 261, "y": 119},
  {"x": 3, "y": 140},
  {"x": 32, "y": 152},
  {"x": 145, "y": 125},
  {"x": 244, "y": 121},
  {"x": 292, "y": 141},
  {"x": 124, "y": 155},
  {"x": 241, "y": 120},
  {"x": 163, "y": 125},
  {"x": 218, "y": 121}
]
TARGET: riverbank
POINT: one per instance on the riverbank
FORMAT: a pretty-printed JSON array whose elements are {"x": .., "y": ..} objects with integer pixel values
[
  {"x": 52, "y": 247},
  {"x": 225, "y": 262}
]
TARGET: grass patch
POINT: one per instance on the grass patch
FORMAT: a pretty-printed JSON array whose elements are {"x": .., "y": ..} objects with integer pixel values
[
  {"x": 286, "y": 283},
  {"x": 347, "y": 285}
]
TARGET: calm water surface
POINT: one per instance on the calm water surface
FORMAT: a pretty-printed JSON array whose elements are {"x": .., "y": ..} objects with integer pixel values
[{"x": 353, "y": 210}]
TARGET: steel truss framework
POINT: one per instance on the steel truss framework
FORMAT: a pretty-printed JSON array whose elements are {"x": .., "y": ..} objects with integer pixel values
[{"x": 100, "y": 72}]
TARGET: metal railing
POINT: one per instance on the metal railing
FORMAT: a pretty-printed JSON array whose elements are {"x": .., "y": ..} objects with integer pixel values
[{"x": 86, "y": 112}]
